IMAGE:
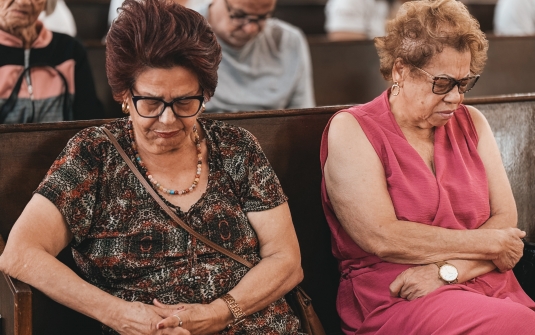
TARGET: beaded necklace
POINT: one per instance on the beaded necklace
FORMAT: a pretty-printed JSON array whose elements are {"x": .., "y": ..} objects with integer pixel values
[{"x": 156, "y": 183}]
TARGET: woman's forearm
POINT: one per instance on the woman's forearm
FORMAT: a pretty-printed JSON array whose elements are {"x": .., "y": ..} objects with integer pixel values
[
  {"x": 43, "y": 271},
  {"x": 266, "y": 282},
  {"x": 469, "y": 269},
  {"x": 414, "y": 243}
]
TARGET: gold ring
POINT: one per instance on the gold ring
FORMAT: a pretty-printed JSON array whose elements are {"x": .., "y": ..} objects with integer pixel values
[{"x": 179, "y": 320}]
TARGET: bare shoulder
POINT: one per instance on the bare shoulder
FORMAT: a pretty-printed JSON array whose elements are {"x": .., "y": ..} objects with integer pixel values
[
  {"x": 350, "y": 152},
  {"x": 344, "y": 127},
  {"x": 480, "y": 123},
  {"x": 479, "y": 120}
]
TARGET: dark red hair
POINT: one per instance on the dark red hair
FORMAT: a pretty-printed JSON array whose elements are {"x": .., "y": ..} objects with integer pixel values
[{"x": 160, "y": 34}]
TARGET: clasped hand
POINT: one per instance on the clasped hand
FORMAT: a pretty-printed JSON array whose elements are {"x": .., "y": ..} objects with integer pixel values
[
  {"x": 159, "y": 319},
  {"x": 511, "y": 248},
  {"x": 416, "y": 282}
]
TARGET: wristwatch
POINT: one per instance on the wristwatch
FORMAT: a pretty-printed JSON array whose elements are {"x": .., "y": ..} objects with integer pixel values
[{"x": 447, "y": 272}]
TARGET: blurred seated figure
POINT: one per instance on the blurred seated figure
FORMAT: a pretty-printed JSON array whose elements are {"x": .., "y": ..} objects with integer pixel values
[
  {"x": 514, "y": 17},
  {"x": 58, "y": 19},
  {"x": 266, "y": 62},
  {"x": 44, "y": 76},
  {"x": 358, "y": 19}
]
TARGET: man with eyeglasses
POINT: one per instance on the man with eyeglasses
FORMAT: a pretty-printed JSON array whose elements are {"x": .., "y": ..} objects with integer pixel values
[{"x": 266, "y": 62}]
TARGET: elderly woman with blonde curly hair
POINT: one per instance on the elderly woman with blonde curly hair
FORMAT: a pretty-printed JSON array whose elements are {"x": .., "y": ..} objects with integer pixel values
[{"x": 417, "y": 198}]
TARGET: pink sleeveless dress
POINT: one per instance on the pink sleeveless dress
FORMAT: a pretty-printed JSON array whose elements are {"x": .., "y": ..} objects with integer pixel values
[{"x": 456, "y": 198}]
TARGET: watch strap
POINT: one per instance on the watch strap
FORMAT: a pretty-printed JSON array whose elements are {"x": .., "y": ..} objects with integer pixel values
[{"x": 234, "y": 308}]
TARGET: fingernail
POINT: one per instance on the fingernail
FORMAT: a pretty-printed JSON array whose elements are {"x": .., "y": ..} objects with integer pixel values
[
  {"x": 159, "y": 326},
  {"x": 179, "y": 308}
]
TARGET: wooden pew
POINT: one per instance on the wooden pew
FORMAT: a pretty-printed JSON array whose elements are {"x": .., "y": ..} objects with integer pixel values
[
  {"x": 291, "y": 140},
  {"x": 348, "y": 72}
]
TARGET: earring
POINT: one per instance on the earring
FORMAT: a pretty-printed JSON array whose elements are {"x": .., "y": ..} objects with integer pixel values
[
  {"x": 125, "y": 107},
  {"x": 393, "y": 89}
]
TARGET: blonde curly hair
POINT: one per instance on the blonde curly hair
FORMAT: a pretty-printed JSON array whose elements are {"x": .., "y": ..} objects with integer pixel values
[{"x": 422, "y": 29}]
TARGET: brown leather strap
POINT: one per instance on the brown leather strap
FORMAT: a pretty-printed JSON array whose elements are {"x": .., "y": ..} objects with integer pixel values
[{"x": 168, "y": 210}]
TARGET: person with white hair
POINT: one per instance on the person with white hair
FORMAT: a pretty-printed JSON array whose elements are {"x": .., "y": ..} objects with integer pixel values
[
  {"x": 514, "y": 17},
  {"x": 57, "y": 17},
  {"x": 358, "y": 19},
  {"x": 44, "y": 76}
]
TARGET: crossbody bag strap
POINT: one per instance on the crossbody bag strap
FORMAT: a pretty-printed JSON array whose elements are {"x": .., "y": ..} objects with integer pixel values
[
  {"x": 168, "y": 210},
  {"x": 9, "y": 104}
]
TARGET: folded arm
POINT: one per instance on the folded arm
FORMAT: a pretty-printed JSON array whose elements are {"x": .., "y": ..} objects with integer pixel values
[{"x": 356, "y": 186}]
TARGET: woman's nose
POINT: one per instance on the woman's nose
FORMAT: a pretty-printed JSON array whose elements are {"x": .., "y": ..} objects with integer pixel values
[
  {"x": 453, "y": 96},
  {"x": 168, "y": 116}
]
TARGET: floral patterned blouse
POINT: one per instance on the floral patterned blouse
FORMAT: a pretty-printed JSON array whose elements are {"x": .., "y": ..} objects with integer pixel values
[{"x": 125, "y": 244}]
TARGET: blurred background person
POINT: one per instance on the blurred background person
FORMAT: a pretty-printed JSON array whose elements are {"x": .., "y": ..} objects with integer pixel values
[
  {"x": 44, "y": 76},
  {"x": 358, "y": 19},
  {"x": 514, "y": 17},
  {"x": 58, "y": 19},
  {"x": 266, "y": 62}
]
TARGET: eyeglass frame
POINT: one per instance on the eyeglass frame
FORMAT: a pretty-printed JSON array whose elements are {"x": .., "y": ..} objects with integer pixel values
[
  {"x": 457, "y": 82},
  {"x": 136, "y": 98},
  {"x": 260, "y": 19}
]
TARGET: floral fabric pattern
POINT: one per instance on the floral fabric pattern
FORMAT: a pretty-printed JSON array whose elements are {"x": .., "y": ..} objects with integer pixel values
[{"x": 125, "y": 244}]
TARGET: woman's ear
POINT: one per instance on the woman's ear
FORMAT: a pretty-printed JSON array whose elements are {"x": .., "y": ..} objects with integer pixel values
[
  {"x": 399, "y": 71},
  {"x": 121, "y": 97}
]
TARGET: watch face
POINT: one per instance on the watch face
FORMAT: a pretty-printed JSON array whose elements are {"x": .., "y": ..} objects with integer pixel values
[{"x": 448, "y": 272}]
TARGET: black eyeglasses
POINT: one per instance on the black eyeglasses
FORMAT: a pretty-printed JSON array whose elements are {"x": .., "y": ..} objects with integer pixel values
[
  {"x": 242, "y": 19},
  {"x": 443, "y": 84},
  {"x": 151, "y": 107}
]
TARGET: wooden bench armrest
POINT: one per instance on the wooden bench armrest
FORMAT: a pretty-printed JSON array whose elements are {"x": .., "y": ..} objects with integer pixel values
[{"x": 15, "y": 304}]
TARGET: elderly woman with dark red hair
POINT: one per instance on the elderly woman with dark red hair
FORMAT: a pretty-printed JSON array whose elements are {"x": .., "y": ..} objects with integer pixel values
[{"x": 141, "y": 273}]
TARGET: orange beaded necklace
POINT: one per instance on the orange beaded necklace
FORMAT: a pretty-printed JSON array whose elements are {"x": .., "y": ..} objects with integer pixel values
[{"x": 156, "y": 183}]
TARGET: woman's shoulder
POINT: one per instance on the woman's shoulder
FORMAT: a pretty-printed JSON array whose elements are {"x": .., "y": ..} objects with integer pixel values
[
  {"x": 228, "y": 135},
  {"x": 473, "y": 119},
  {"x": 93, "y": 140}
]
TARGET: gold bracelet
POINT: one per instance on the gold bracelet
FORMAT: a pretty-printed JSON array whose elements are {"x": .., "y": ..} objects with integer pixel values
[{"x": 234, "y": 308}]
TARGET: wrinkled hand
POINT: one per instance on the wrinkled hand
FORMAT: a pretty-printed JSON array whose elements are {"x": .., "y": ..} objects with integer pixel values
[
  {"x": 512, "y": 248},
  {"x": 197, "y": 318},
  {"x": 416, "y": 282},
  {"x": 136, "y": 318}
]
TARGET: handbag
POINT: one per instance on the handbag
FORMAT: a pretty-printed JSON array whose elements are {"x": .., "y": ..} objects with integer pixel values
[
  {"x": 9, "y": 104},
  {"x": 298, "y": 300},
  {"x": 525, "y": 269}
]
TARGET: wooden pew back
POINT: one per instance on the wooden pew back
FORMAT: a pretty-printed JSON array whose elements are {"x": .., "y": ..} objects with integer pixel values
[
  {"x": 348, "y": 72},
  {"x": 291, "y": 141}
]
